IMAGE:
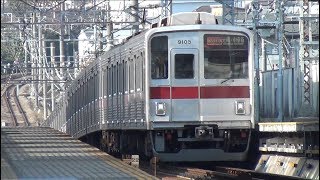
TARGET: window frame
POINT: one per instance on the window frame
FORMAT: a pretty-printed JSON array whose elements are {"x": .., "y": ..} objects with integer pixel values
[
  {"x": 175, "y": 66},
  {"x": 233, "y": 74},
  {"x": 159, "y": 56}
]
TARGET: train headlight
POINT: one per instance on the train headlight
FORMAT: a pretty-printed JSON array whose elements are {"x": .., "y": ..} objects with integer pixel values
[
  {"x": 160, "y": 108},
  {"x": 240, "y": 107}
]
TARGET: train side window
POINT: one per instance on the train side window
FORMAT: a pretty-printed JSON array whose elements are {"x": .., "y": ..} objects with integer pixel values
[
  {"x": 96, "y": 95},
  {"x": 109, "y": 81},
  {"x": 93, "y": 89},
  {"x": 86, "y": 92},
  {"x": 131, "y": 76},
  {"x": 80, "y": 95},
  {"x": 126, "y": 79},
  {"x": 105, "y": 83},
  {"x": 120, "y": 78},
  {"x": 184, "y": 66},
  {"x": 76, "y": 96},
  {"x": 138, "y": 73},
  {"x": 142, "y": 71},
  {"x": 159, "y": 57},
  {"x": 114, "y": 80},
  {"x": 72, "y": 102},
  {"x": 90, "y": 90}
]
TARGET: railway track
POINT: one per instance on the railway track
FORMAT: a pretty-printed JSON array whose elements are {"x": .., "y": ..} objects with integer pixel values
[
  {"x": 18, "y": 116},
  {"x": 9, "y": 106},
  {"x": 5, "y": 77},
  {"x": 237, "y": 173},
  {"x": 164, "y": 171}
]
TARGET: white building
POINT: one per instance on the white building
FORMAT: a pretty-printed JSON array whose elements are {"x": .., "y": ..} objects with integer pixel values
[{"x": 86, "y": 44}]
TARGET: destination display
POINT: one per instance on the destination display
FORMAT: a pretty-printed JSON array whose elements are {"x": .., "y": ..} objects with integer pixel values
[{"x": 217, "y": 41}]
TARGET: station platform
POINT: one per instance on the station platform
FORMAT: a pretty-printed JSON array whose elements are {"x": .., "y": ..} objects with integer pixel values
[
  {"x": 45, "y": 153},
  {"x": 294, "y": 125}
]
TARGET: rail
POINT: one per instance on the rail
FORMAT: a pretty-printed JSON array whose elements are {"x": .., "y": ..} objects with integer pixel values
[
  {"x": 9, "y": 105},
  {"x": 17, "y": 102},
  {"x": 217, "y": 172},
  {"x": 237, "y": 173}
]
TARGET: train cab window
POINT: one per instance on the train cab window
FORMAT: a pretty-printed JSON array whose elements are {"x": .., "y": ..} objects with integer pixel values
[
  {"x": 184, "y": 66},
  {"x": 225, "y": 56},
  {"x": 159, "y": 57}
]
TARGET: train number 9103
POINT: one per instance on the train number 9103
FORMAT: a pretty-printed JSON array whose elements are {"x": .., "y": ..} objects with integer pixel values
[{"x": 184, "y": 41}]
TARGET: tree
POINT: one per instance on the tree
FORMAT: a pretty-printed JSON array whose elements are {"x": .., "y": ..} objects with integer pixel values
[{"x": 12, "y": 51}]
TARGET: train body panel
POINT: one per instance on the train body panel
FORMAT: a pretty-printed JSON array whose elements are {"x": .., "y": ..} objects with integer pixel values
[
  {"x": 199, "y": 98},
  {"x": 175, "y": 91}
]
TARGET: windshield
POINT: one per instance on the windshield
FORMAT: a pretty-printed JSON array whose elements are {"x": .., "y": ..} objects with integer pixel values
[
  {"x": 184, "y": 66},
  {"x": 225, "y": 56}
]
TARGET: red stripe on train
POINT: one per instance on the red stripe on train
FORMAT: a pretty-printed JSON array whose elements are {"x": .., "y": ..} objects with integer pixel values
[
  {"x": 159, "y": 92},
  {"x": 225, "y": 92},
  {"x": 184, "y": 92},
  {"x": 205, "y": 92}
]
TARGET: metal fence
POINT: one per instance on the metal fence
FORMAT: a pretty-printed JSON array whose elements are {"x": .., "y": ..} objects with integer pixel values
[{"x": 293, "y": 88}]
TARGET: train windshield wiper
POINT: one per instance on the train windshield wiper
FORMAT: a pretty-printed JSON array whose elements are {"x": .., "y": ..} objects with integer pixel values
[
  {"x": 223, "y": 81},
  {"x": 230, "y": 75}
]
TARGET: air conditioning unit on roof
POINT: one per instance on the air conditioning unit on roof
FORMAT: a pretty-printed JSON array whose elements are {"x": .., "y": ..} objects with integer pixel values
[{"x": 188, "y": 18}]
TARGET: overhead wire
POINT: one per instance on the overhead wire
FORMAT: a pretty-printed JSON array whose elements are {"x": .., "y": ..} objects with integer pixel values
[{"x": 29, "y": 35}]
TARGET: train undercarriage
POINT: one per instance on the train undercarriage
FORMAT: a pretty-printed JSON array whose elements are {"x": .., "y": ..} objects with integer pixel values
[
  {"x": 192, "y": 143},
  {"x": 286, "y": 148}
]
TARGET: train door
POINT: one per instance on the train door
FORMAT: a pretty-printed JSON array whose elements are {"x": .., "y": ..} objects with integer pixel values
[{"x": 184, "y": 84}]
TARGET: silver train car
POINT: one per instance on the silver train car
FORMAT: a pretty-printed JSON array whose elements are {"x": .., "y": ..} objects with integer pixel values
[{"x": 181, "y": 91}]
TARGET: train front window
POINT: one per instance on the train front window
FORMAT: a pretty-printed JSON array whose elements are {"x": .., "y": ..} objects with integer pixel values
[
  {"x": 184, "y": 66},
  {"x": 159, "y": 57},
  {"x": 225, "y": 56}
]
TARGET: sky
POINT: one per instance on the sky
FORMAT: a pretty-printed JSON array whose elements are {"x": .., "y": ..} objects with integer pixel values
[
  {"x": 177, "y": 7},
  {"x": 188, "y": 7}
]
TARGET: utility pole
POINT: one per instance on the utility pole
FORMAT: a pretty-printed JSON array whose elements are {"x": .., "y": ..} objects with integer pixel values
[
  {"x": 25, "y": 46},
  {"x": 109, "y": 26},
  {"x": 256, "y": 7},
  {"x": 227, "y": 11},
  {"x": 166, "y": 9},
  {"x": 62, "y": 63},
  {"x": 263, "y": 55},
  {"x": 135, "y": 16},
  {"x": 76, "y": 63},
  {"x": 40, "y": 56},
  {"x": 52, "y": 49},
  {"x": 95, "y": 30},
  {"x": 280, "y": 8},
  {"x": 306, "y": 44},
  {"x": 44, "y": 70},
  {"x": 34, "y": 60}
]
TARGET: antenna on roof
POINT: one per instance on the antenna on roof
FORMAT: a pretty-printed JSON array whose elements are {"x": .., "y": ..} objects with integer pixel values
[{"x": 198, "y": 21}]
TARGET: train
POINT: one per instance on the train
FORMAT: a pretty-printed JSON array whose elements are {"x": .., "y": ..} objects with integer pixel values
[{"x": 180, "y": 91}]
